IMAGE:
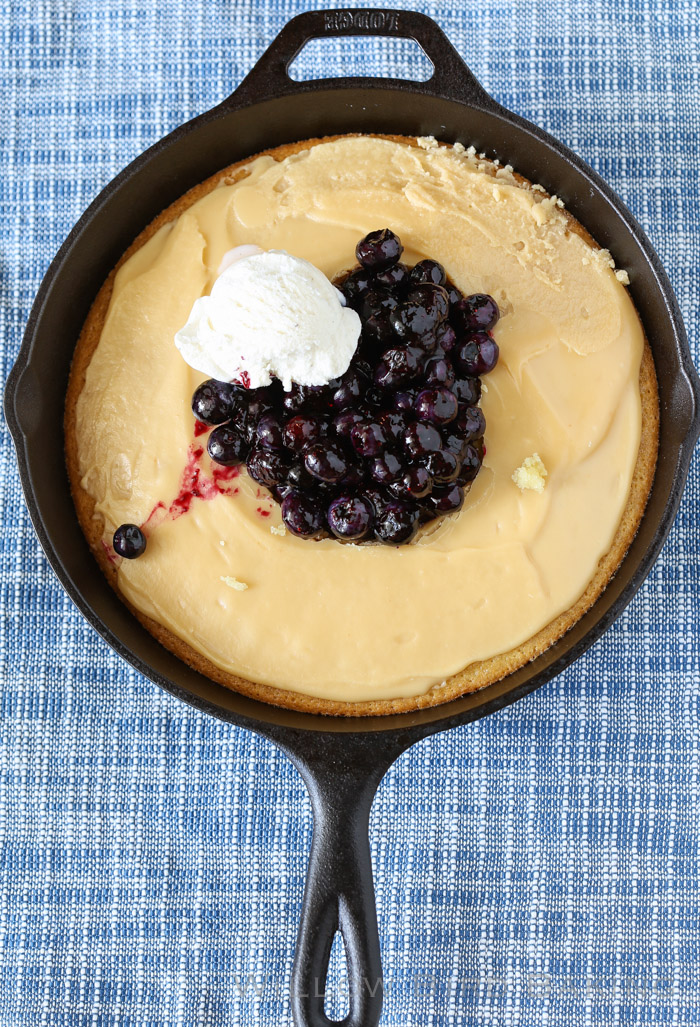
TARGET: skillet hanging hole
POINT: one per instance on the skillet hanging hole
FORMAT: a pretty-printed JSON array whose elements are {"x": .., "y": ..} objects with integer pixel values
[
  {"x": 337, "y": 57},
  {"x": 337, "y": 990}
]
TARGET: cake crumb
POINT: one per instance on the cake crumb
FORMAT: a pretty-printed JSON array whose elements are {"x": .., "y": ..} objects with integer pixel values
[
  {"x": 278, "y": 529},
  {"x": 599, "y": 260},
  {"x": 471, "y": 151},
  {"x": 530, "y": 474},
  {"x": 537, "y": 188},
  {"x": 427, "y": 142},
  {"x": 622, "y": 276},
  {"x": 239, "y": 586},
  {"x": 459, "y": 147}
]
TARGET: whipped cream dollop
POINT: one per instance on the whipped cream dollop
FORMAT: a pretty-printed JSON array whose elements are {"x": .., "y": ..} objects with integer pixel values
[{"x": 270, "y": 314}]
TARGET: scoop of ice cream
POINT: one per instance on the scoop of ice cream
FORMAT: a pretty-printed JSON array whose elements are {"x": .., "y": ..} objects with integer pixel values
[{"x": 270, "y": 314}]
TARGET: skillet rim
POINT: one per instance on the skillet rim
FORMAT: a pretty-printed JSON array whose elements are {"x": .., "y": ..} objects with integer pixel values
[{"x": 265, "y": 718}]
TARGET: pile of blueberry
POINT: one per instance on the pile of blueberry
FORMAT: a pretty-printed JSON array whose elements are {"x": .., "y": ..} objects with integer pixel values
[{"x": 393, "y": 443}]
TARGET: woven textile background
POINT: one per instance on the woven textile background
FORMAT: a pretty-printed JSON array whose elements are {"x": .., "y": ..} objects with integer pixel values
[{"x": 537, "y": 868}]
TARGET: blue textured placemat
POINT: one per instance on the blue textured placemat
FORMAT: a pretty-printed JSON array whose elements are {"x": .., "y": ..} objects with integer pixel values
[{"x": 537, "y": 868}]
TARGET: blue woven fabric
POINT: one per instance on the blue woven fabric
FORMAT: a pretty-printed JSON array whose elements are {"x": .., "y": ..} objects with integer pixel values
[{"x": 537, "y": 868}]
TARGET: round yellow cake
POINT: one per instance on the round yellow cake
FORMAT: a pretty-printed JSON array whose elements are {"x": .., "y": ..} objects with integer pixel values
[{"x": 370, "y": 629}]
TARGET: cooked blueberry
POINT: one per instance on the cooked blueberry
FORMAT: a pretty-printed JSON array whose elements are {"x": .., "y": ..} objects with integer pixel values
[
  {"x": 421, "y": 439},
  {"x": 428, "y": 272},
  {"x": 227, "y": 446},
  {"x": 446, "y": 498},
  {"x": 442, "y": 466},
  {"x": 299, "y": 478},
  {"x": 344, "y": 422},
  {"x": 386, "y": 468},
  {"x": 439, "y": 371},
  {"x": 368, "y": 438},
  {"x": 350, "y": 517},
  {"x": 467, "y": 390},
  {"x": 294, "y": 400},
  {"x": 379, "y": 250},
  {"x": 269, "y": 432},
  {"x": 471, "y": 464},
  {"x": 446, "y": 337},
  {"x": 303, "y": 514},
  {"x": 403, "y": 401},
  {"x": 427, "y": 342},
  {"x": 392, "y": 276},
  {"x": 453, "y": 293},
  {"x": 373, "y": 398},
  {"x": 355, "y": 475},
  {"x": 351, "y": 386},
  {"x": 378, "y": 498},
  {"x": 471, "y": 422},
  {"x": 394, "y": 424},
  {"x": 129, "y": 541},
  {"x": 214, "y": 402},
  {"x": 438, "y": 405},
  {"x": 267, "y": 466},
  {"x": 377, "y": 301},
  {"x": 477, "y": 355},
  {"x": 378, "y": 330},
  {"x": 434, "y": 298},
  {"x": 355, "y": 286},
  {"x": 307, "y": 398},
  {"x": 300, "y": 430},
  {"x": 325, "y": 461},
  {"x": 257, "y": 403},
  {"x": 421, "y": 312},
  {"x": 478, "y": 312},
  {"x": 397, "y": 523},
  {"x": 415, "y": 483},
  {"x": 398, "y": 365},
  {"x": 454, "y": 441}
]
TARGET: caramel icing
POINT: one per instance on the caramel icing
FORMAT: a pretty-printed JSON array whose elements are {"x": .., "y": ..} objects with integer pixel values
[{"x": 358, "y": 623}]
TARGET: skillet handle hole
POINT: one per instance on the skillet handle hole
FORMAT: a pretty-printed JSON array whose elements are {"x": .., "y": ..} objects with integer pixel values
[
  {"x": 338, "y": 57},
  {"x": 337, "y": 990}
]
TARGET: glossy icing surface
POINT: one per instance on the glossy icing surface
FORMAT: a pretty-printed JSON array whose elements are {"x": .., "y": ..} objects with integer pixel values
[{"x": 358, "y": 623}]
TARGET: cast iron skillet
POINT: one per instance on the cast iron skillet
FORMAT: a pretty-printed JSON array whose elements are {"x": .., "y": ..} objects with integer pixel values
[{"x": 341, "y": 760}]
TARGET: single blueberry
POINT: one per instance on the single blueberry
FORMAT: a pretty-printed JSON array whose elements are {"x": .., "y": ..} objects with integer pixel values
[
  {"x": 421, "y": 439},
  {"x": 368, "y": 438},
  {"x": 213, "y": 402},
  {"x": 269, "y": 432},
  {"x": 268, "y": 466},
  {"x": 438, "y": 405},
  {"x": 227, "y": 446},
  {"x": 325, "y": 461},
  {"x": 303, "y": 514},
  {"x": 350, "y": 517},
  {"x": 428, "y": 272},
  {"x": 300, "y": 430},
  {"x": 397, "y": 523},
  {"x": 379, "y": 250},
  {"x": 386, "y": 468},
  {"x": 129, "y": 541},
  {"x": 477, "y": 355}
]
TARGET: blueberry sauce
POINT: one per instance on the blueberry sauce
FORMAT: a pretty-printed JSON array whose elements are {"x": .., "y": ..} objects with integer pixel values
[
  {"x": 397, "y": 440},
  {"x": 391, "y": 445}
]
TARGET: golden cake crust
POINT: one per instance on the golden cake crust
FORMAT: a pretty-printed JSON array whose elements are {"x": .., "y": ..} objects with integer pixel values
[{"x": 476, "y": 675}]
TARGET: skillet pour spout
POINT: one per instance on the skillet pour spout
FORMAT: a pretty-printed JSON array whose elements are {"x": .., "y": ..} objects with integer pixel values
[{"x": 342, "y": 760}]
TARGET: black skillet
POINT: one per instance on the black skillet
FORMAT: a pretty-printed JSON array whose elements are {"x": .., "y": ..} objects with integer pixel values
[{"x": 341, "y": 760}]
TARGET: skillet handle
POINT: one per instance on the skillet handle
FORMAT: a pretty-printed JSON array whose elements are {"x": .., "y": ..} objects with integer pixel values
[
  {"x": 451, "y": 77},
  {"x": 342, "y": 773}
]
